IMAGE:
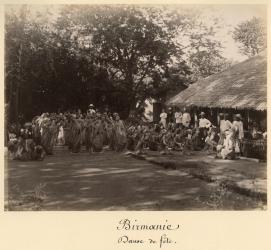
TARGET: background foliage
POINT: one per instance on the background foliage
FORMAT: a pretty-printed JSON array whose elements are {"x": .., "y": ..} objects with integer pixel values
[{"x": 114, "y": 56}]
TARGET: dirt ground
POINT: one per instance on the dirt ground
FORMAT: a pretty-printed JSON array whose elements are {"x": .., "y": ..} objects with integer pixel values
[{"x": 111, "y": 181}]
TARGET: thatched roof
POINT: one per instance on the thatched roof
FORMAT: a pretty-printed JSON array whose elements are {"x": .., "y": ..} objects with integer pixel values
[{"x": 242, "y": 86}]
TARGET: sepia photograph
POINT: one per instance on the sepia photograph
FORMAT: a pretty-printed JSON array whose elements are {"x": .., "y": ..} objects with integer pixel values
[{"x": 121, "y": 107}]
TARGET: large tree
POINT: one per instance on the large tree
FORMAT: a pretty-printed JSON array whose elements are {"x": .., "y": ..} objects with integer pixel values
[
  {"x": 135, "y": 45},
  {"x": 114, "y": 55},
  {"x": 252, "y": 36},
  {"x": 25, "y": 57},
  {"x": 43, "y": 67}
]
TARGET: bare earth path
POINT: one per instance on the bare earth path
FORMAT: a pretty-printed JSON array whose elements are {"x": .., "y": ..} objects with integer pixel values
[{"x": 111, "y": 181}]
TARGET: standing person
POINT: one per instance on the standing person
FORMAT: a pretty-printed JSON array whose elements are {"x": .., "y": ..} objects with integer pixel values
[
  {"x": 239, "y": 132},
  {"x": 227, "y": 124},
  {"x": 170, "y": 116},
  {"x": 88, "y": 132},
  {"x": 98, "y": 132},
  {"x": 36, "y": 131},
  {"x": 178, "y": 117},
  {"x": 186, "y": 118},
  {"x": 221, "y": 122},
  {"x": 74, "y": 135},
  {"x": 140, "y": 142},
  {"x": 204, "y": 125},
  {"x": 120, "y": 134},
  {"x": 91, "y": 110},
  {"x": 49, "y": 135},
  {"x": 60, "y": 137},
  {"x": 109, "y": 131},
  {"x": 81, "y": 120},
  {"x": 204, "y": 122},
  {"x": 163, "y": 118}
]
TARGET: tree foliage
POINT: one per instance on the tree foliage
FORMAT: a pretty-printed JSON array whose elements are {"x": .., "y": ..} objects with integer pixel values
[
  {"x": 252, "y": 36},
  {"x": 107, "y": 55}
]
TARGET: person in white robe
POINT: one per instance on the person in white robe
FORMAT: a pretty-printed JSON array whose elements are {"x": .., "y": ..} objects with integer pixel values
[{"x": 163, "y": 118}]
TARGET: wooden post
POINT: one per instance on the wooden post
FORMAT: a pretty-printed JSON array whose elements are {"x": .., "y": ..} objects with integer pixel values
[{"x": 248, "y": 119}]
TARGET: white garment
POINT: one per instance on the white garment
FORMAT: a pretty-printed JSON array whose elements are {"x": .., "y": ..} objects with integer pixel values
[
  {"x": 239, "y": 129},
  {"x": 91, "y": 111},
  {"x": 228, "y": 146},
  {"x": 204, "y": 123},
  {"x": 61, "y": 133},
  {"x": 178, "y": 117},
  {"x": 225, "y": 125},
  {"x": 163, "y": 120},
  {"x": 186, "y": 119}
]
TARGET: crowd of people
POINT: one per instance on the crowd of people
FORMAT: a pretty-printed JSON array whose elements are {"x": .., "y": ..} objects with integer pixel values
[
  {"x": 94, "y": 130},
  {"x": 225, "y": 139},
  {"x": 97, "y": 131}
]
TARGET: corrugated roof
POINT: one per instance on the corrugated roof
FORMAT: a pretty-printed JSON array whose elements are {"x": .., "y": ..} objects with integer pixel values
[{"x": 242, "y": 86}]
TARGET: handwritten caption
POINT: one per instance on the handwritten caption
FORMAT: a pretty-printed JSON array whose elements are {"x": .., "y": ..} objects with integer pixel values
[{"x": 128, "y": 226}]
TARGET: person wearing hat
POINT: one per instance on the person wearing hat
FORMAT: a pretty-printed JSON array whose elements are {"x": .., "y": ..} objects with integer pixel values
[
  {"x": 204, "y": 122},
  {"x": 91, "y": 109}
]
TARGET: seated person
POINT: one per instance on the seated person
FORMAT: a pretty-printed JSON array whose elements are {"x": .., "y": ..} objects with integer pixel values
[
  {"x": 179, "y": 140},
  {"x": 211, "y": 140},
  {"x": 155, "y": 138},
  {"x": 227, "y": 150},
  {"x": 196, "y": 139},
  {"x": 25, "y": 150}
]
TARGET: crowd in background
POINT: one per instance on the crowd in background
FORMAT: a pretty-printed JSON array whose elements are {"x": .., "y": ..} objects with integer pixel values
[
  {"x": 98, "y": 131},
  {"x": 225, "y": 138}
]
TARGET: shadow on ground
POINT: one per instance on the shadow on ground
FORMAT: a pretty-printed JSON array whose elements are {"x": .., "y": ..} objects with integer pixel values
[{"x": 111, "y": 181}]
